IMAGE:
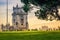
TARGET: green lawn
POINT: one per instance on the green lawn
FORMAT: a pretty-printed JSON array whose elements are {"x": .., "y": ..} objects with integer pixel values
[{"x": 30, "y": 35}]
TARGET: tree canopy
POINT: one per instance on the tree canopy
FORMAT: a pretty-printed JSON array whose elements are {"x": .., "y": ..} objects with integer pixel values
[{"x": 48, "y": 8}]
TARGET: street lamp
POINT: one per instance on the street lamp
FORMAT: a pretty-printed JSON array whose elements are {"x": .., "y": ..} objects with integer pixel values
[{"x": 7, "y": 13}]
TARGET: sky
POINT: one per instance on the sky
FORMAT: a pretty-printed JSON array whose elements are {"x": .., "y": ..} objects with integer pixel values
[{"x": 32, "y": 19}]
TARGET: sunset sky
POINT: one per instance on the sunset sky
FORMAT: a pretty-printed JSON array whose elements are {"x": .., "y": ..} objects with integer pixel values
[{"x": 32, "y": 19}]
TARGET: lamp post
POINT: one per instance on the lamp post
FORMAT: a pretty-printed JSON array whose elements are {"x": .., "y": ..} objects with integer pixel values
[
  {"x": 7, "y": 13},
  {"x": 7, "y": 24}
]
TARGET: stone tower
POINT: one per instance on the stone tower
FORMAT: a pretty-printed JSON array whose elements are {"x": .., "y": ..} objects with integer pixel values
[{"x": 19, "y": 18}]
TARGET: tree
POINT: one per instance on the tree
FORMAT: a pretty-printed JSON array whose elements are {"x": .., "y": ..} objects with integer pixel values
[{"x": 47, "y": 7}]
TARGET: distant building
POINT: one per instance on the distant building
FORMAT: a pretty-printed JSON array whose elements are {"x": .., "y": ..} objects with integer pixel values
[
  {"x": 5, "y": 27},
  {"x": 19, "y": 18},
  {"x": 44, "y": 28}
]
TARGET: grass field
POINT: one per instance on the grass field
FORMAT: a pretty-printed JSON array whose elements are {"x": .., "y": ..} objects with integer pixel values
[{"x": 31, "y": 35}]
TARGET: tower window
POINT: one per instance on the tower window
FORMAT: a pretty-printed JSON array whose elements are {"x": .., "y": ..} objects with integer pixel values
[
  {"x": 16, "y": 23},
  {"x": 22, "y": 21},
  {"x": 21, "y": 24}
]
